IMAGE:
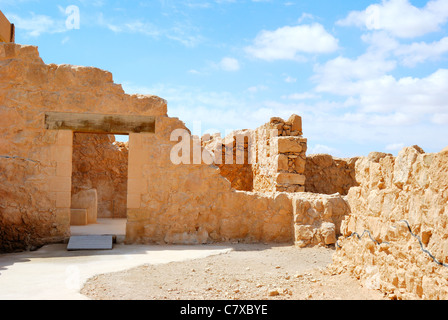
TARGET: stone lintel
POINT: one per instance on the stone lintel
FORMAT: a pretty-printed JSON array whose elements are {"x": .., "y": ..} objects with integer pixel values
[{"x": 99, "y": 123}]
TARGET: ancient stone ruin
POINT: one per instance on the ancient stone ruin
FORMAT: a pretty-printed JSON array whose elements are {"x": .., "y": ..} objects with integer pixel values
[{"x": 60, "y": 166}]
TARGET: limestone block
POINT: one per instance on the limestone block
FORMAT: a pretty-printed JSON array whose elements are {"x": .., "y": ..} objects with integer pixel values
[
  {"x": 403, "y": 165},
  {"x": 296, "y": 123},
  {"x": 64, "y": 169},
  {"x": 289, "y": 145},
  {"x": 78, "y": 217},
  {"x": 290, "y": 178},
  {"x": 133, "y": 201},
  {"x": 328, "y": 233},
  {"x": 88, "y": 200},
  {"x": 63, "y": 199},
  {"x": 300, "y": 165},
  {"x": 282, "y": 163}
]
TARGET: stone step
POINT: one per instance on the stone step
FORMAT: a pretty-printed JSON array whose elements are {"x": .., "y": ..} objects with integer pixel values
[{"x": 93, "y": 242}]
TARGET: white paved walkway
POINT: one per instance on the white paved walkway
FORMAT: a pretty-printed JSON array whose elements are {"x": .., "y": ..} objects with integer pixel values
[{"x": 53, "y": 273}]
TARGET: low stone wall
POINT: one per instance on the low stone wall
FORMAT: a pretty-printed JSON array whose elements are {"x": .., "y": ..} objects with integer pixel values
[
  {"x": 318, "y": 218},
  {"x": 396, "y": 237},
  {"x": 328, "y": 175}
]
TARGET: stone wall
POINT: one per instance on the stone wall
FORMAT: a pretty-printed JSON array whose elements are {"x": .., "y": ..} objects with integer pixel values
[
  {"x": 318, "y": 218},
  {"x": 166, "y": 202},
  {"x": 231, "y": 156},
  {"x": 279, "y": 153},
  {"x": 36, "y": 163},
  {"x": 101, "y": 163},
  {"x": 328, "y": 175},
  {"x": 193, "y": 203},
  {"x": 270, "y": 158},
  {"x": 397, "y": 196}
]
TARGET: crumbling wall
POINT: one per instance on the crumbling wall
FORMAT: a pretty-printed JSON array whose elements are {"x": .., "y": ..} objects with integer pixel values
[
  {"x": 328, "y": 175},
  {"x": 194, "y": 203},
  {"x": 396, "y": 238},
  {"x": 101, "y": 163},
  {"x": 279, "y": 153},
  {"x": 270, "y": 158},
  {"x": 231, "y": 156}
]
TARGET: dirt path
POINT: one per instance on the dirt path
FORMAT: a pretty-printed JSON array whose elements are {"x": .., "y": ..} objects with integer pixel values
[{"x": 249, "y": 272}]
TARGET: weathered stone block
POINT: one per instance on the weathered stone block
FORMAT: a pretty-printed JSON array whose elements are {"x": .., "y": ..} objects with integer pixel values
[
  {"x": 133, "y": 201},
  {"x": 289, "y": 145},
  {"x": 296, "y": 123},
  {"x": 78, "y": 217},
  {"x": 63, "y": 199},
  {"x": 60, "y": 184},
  {"x": 291, "y": 178},
  {"x": 64, "y": 169},
  {"x": 283, "y": 163},
  {"x": 87, "y": 199}
]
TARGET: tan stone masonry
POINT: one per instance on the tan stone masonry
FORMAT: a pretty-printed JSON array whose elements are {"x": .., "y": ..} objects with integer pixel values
[{"x": 166, "y": 202}]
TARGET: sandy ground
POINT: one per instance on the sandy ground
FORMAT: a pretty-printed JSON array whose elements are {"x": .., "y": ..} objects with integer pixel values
[{"x": 248, "y": 272}]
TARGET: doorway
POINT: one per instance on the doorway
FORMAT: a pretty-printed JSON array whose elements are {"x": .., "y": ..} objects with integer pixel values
[{"x": 99, "y": 184}]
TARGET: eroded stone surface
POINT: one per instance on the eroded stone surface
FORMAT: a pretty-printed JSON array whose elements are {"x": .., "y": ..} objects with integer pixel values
[
  {"x": 328, "y": 175},
  {"x": 410, "y": 187}
]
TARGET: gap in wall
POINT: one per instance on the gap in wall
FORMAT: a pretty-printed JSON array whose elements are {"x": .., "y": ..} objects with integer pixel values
[{"x": 100, "y": 162}]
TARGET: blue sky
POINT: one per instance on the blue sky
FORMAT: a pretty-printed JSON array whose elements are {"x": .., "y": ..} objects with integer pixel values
[{"x": 364, "y": 75}]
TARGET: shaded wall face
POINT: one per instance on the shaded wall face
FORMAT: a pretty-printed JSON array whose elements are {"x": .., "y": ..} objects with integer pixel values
[
  {"x": 35, "y": 175},
  {"x": 328, "y": 175},
  {"x": 231, "y": 156},
  {"x": 101, "y": 163}
]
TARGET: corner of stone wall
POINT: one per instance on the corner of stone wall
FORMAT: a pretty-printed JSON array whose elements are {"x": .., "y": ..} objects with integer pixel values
[
  {"x": 318, "y": 218},
  {"x": 280, "y": 156}
]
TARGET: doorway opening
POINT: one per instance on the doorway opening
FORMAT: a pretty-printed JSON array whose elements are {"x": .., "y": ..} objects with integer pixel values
[{"x": 99, "y": 184}]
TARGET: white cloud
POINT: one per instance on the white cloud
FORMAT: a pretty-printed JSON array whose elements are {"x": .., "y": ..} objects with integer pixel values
[
  {"x": 440, "y": 118},
  {"x": 394, "y": 146},
  {"x": 301, "y": 96},
  {"x": 229, "y": 64},
  {"x": 255, "y": 89},
  {"x": 382, "y": 45},
  {"x": 322, "y": 149},
  {"x": 340, "y": 75},
  {"x": 400, "y": 17},
  {"x": 408, "y": 95},
  {"x": 305, "y": 16},
  {"x": 37, "y": 25},
  {"x": 291, "y": 42},
  {"x": 182, "y": 33},
  {"x": 415, "y": 53},
  {"x": 290, "y": 79}
]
